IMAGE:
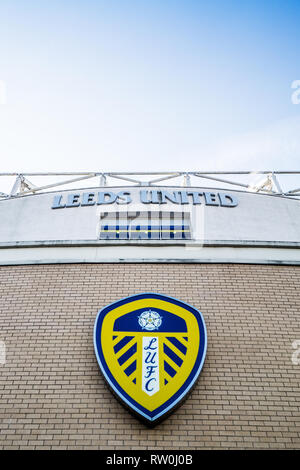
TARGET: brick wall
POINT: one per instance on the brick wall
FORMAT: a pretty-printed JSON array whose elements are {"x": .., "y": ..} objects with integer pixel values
[{"x": 52, "y": 394}]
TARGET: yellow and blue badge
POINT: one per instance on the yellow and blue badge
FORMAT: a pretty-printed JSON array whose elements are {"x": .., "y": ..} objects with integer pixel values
[{"x": 150, "y": 349}]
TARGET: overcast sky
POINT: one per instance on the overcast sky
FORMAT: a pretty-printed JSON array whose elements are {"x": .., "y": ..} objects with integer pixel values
[{"x": 129, "y": 85}]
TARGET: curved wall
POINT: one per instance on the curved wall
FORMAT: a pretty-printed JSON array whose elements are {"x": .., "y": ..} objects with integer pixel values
[{"x": 225, "y": 226}]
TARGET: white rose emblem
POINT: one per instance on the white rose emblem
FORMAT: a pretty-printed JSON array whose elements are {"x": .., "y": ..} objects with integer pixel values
[{"x": 150, "y": 320}]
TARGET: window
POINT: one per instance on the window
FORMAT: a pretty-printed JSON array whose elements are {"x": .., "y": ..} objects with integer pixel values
[{"x": 145, "y": 225}]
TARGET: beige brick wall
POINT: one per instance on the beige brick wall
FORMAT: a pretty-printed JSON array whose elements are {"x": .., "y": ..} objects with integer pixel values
[{"x": 52, "y": 394}]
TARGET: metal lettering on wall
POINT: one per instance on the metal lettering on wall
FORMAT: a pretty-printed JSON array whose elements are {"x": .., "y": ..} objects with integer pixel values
[{"x": 86, "y": 199}]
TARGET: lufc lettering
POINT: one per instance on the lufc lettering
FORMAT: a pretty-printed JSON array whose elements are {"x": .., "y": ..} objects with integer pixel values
[
  {"x": 208, "y": 198},
  {"x": 150, "y": 365}
]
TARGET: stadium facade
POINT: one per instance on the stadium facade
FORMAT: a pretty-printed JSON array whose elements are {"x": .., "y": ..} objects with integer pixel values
[{"x": 233, "y": 254}]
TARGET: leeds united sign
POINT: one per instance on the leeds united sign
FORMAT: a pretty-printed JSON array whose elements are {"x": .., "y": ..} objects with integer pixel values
[{"x": 91, "y": 198}]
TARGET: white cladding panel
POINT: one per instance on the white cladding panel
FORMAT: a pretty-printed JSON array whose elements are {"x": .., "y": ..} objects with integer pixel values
[{"x": 257, "y": 217}]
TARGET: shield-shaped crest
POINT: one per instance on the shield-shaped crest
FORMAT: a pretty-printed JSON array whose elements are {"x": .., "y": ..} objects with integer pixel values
[{"x": 150, "y": 349}]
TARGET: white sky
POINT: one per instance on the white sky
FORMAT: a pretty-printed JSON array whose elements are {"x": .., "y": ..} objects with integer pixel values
[{"x": 133, "y": 86}]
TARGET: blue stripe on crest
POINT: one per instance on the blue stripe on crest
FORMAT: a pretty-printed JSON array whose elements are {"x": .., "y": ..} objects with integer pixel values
[
  {"x": 127, "y": 354},
  {"x": 130, "y": 369},
  {"x": 177, "y": 344},
  {"x": 172, "y": 355},
  {"x": 169, "y": 369},
  {"x": 122, "y": 343}
]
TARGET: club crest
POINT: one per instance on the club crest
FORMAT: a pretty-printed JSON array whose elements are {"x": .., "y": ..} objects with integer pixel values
[{"x": 150, "y": 349}]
